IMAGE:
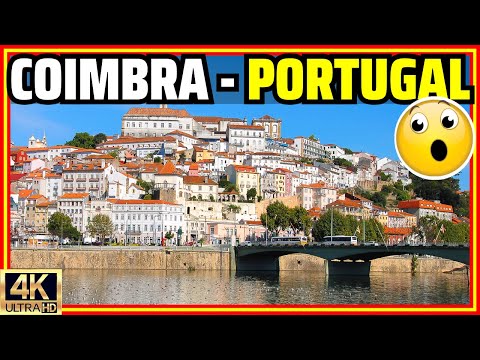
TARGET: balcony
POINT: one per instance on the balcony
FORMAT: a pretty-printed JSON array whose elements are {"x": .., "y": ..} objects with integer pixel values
[
  {"x": 81, "y": 188},
  {"x": 93, "y": 188},
  {"x": 68, "y": 189},
  {"x": 133, "y": 232},
  {"x": 81, "y": 179},
  {"x": 93, "y": 180},
  {"x": 68, "y": 180}
]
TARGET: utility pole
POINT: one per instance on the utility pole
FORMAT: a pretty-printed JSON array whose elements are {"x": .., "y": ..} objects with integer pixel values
[{"x": 331, "y": 224}]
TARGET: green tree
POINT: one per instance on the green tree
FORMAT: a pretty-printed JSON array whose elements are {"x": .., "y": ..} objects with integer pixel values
[
  {"x": 232, "y": 209},
  {"x": 60, "y": 225},
  {"x": 101, "y": 226},
  {"x": 82, "y": 140},
  {"x": 277, "y": 215},
  {"x": 343, "y": 162},
  {"x": 454, "y": 233},
  {"x": 251, "y": 193},
  {"x": 99, "y": 138},
  {"x": 157, "y": 159},
  {"x": 223, "y": 183},
  {"x": 169, "y": 235},
  {"x": 231, "y": 187},
  {"x": 182, "y": 158},
  {"x": 463, "y": 207},
  {"x": 149, "y": 155},
  {"x": 305, "y": 160},
  {"x": 427, "y": 228},
  {"x": 321, "y": 227},
  {"x": 385, "y": 177},
  {"x": 114, "y": 153},
  {"x": 212, "y": 198},
  {"x": 300, "y": 220},
  {"x": 374, "y": 231},
  {"x": 148, "y": 186},
  {"x": 379, "y": 198},
  {"x": 347, "y": 151},
  {"x": 259, "y": 198},
  {"x": 312, "y": 137},
  {"x": 147, "y": 197},
  {"x": 443, "y": 190}
]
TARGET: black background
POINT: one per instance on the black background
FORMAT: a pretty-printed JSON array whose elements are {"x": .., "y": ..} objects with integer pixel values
[{"x": 49, "y": 285}]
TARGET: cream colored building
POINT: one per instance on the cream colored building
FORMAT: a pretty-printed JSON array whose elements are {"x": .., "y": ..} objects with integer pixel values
[
  {"x": 272, "y": 126},
  {"x": 244, "y": 177}
]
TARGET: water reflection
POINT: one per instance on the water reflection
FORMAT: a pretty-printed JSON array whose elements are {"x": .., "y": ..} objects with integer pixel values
[{"x": 284, "y": 287}]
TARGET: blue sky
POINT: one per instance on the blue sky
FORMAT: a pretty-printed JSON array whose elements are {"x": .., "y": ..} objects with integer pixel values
[{"x": 359, "y": 127}]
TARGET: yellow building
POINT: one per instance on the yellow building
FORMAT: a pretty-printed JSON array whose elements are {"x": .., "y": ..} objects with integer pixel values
[
  {"x": 43, "y": 211},
  {"x": 244, "y": 177},
  {"x": 279, "y": 183},
  {"x": 200, "y": 154},
  {"x": 31, "y": 204}
]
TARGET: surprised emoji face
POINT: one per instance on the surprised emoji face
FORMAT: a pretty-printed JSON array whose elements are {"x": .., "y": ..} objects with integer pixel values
[{"x": 434, "y": 138}]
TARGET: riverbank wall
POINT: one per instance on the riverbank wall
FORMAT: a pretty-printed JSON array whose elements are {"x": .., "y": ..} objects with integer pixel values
[{"x": 200, "y": 260}]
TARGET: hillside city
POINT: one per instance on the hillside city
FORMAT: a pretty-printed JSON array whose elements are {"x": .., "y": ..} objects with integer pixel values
[{"x": 205, "y": 178}]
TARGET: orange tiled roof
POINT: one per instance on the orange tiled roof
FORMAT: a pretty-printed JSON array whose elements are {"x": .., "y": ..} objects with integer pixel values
[
  {"x": 399, "y": 214},
  {"x": 158, "y": 112},
  {"x": 397, "y": 231},
  {"x": 168, "y": 169},
  {"x": 198, "y": 180},
  {"x": 74, "y": 196},
  {"x": 24, "y": 193},
  {"x": 244, "y": 168},
  {"x": 345, "y": 203},
  {"x": 194, "y": 166},
  {"x": 246, "y": 127},
  {"x": 424, "y": 204},
  {"x": 35, "y": 196},
  {"x": 131, "y": 139},
  {"x": 254, "y": 222},
  {"x": 178, "y": 132}
]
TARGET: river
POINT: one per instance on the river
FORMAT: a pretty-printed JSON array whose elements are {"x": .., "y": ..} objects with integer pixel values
[{"x": 285, "y": 287}]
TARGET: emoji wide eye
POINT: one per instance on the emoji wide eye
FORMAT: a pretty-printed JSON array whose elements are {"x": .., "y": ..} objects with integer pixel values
[
  {"x": 419, "y": 123},
  {"x": 449, "y": 119}
]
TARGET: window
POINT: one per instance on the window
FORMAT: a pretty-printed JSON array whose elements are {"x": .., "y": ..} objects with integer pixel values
[
  {"x": 162, "y": 125},
  {"x": 211, "y": 188},
  {"x": 154, "y": 124},
  {"x": 145, "y": 228},
  {"x": 116, "y": 216},
  {"x": 139, "y": 124},
  {"x": 133, "y": 124},
  {"x": 188, "y": 126},
  {"x": 180, "y": 126},
  {"x": 169, "y": 125},
  {"x": 128, "y": 124}
]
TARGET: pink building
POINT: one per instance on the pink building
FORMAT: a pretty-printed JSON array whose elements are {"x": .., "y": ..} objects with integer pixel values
[{"x": 193, "y": 169}]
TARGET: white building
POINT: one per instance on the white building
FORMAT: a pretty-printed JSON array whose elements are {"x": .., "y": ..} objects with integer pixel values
[
  {"x": 145, "y": 221},
  {"x": 246, "y": 137},
  {"x": 89, "y": 178},
  {"x": 308, "y": 148},
  {"x": 145, "y": 145},
  {"x": 273, "y": 127},
  {"x": 48, "y": 153},
  {"x": 316, "y": 195},
  {"x": 74, "y": 205},
  {"x": 333, "y": 151},
  {"x": 263, "y": 159},
  {"x": 200, "y": 188},
  {"x": 153, "y": 122},
  {"x": 48, "y": 184}
]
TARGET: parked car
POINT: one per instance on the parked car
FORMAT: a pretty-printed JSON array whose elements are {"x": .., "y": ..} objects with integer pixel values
[
  {"x": 246, "y": 243},
  {"x": 371, "y": 243}
]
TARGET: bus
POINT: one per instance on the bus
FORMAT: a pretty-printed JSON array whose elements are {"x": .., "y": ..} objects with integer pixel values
[
  {"x": 340, "y": 240},
  {"x": 289, "y": 240}
]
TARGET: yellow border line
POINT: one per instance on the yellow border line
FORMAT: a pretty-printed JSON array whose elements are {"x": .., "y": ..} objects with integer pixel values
[
  {"x": 6, "y": 167},
  {"x": 266, "y": 310},
  {"x": 239, "y": 50},
  {"x": 242, "y": 51}
]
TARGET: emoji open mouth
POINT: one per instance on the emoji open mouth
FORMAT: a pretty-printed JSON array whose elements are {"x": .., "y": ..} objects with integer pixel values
[{"x": 439, "y": 150}]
